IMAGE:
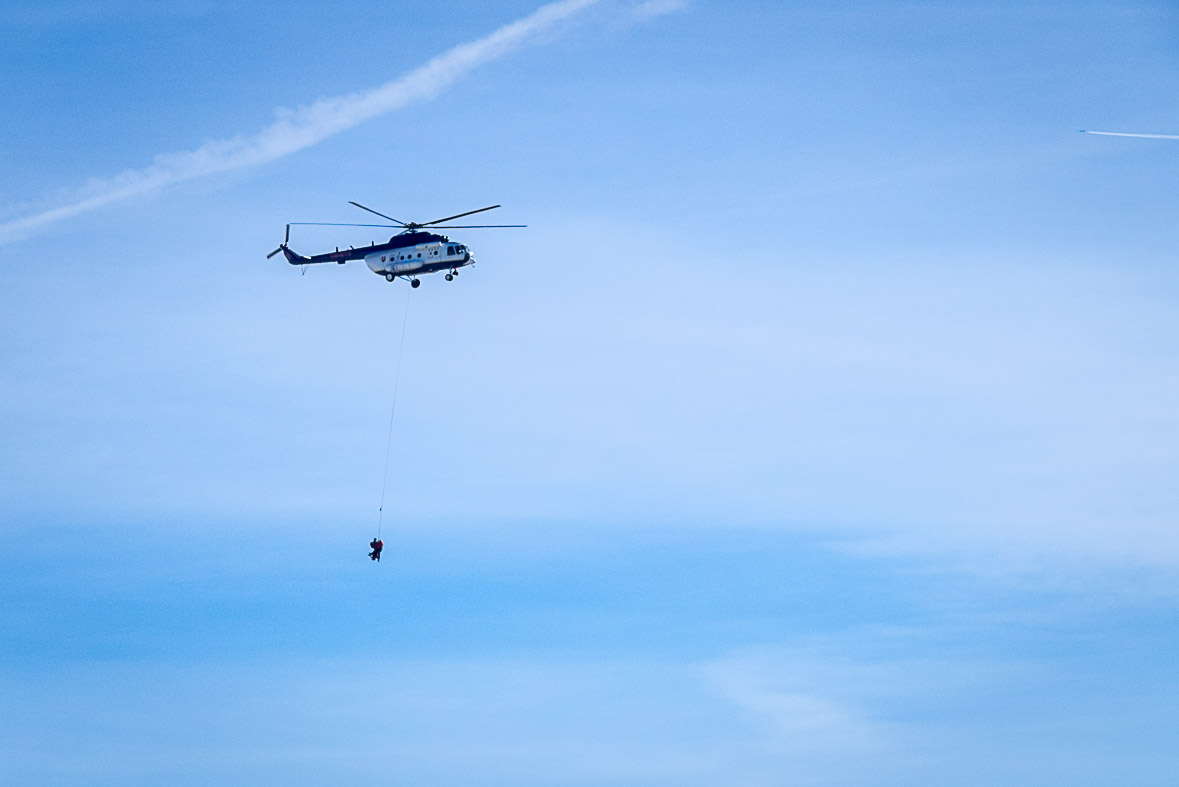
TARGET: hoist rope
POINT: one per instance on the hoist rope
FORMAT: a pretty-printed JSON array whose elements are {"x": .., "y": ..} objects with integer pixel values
[{"x": 392, "y": 412}]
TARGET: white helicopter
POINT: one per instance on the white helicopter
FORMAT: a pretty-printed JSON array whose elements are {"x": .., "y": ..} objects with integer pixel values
[{"x": 409, "y": 254}]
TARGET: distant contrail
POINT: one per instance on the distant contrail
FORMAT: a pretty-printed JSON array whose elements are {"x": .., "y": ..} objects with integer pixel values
[
  {"x": 305, "y": 126},
  {"x": 1123, "y": 134}
]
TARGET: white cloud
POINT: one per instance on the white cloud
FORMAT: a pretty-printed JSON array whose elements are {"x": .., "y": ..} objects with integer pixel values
[
  {"x": 806, "y": 706},
  {"x": 659, "y": 7}
]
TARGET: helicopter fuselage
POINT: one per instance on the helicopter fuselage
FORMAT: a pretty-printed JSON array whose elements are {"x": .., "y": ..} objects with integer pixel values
[{"x": 409, "y": 254}]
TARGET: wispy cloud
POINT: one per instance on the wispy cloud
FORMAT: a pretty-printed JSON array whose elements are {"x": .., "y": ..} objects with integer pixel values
[
  {"x": 297, "y": 129},
  {"x": 794, "y": 695},
  {"x": 659, "y": 7}
]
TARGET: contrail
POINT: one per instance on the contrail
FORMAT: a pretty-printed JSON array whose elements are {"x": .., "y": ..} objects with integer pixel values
[
  {"x": 307, "y": 125},
  {"x": 1123, "y": 134}
]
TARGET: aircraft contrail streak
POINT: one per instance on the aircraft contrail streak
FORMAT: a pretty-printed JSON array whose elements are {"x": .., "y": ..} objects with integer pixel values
[
  {"x": 1123, "y": 134},
  {"x": 307, "y": 125}
]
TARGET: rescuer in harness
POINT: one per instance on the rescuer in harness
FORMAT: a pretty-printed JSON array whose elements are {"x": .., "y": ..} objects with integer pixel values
[{"x": 377, "y": 545}]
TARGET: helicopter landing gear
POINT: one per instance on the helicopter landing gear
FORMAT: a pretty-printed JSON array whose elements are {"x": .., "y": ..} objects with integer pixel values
[
  {"x": 415, "y": 283},
  {"x": 389, "y": 277},
  {"x": 450, "y": 277}
]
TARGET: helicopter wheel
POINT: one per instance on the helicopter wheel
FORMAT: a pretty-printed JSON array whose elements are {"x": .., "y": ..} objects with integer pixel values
[
  {"x": 415, "y": 283},
  {"x": 389, "y": 277},
  {"x": 449, "y": 277}
]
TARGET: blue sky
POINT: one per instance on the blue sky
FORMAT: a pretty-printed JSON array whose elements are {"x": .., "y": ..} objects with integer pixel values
[{"x": 820, "y": 428}]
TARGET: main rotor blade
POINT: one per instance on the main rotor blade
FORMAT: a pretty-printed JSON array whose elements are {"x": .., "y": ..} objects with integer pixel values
[
  {"x": 382, "y": 215},
  {"x": 472, "y": 226},
  {"x": 448, "y": 218},
  {"x": 338, "y": 224}
]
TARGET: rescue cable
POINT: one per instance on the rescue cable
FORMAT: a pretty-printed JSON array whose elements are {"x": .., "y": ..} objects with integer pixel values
[{"x": 392, "y": 411}]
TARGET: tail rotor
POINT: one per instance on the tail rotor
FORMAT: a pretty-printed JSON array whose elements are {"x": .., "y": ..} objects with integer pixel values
[{"x": 283, "y": 245}]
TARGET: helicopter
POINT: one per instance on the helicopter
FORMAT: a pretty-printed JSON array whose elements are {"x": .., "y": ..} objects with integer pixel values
[{"x": 413, "y": 252}]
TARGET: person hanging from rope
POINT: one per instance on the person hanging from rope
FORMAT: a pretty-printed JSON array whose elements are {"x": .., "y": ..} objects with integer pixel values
[{"x": 377, "y": 545}]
